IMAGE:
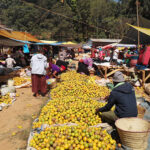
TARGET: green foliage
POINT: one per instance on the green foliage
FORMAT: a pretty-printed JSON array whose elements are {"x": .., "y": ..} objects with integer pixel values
[{"x": 72, "y": 20}]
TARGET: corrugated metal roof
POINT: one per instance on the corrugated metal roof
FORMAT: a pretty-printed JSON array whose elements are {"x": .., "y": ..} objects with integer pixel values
[{"x": 18, "y": 35}]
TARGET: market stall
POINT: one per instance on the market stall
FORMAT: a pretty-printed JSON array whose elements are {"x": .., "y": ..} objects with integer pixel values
[
  {"x": 144, "y": 75},
  {"x": 107, "y": 70}
]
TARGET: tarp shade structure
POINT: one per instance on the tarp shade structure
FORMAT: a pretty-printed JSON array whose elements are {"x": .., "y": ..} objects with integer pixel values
[
  {"x": 143, "y": 30},
  {"x": 68, "y": 43},
  {"x": 18, "y": 36},
  {"x": 48, "y": 42},
  {"x": 52, "y": 44},
  {"x": 41, "y": 43},
  {"x": 9, "y": 42},
  {"x": 71, "y": 44},
  {"x": 56, "y": 44},
  {"x": 132, "y": 35}
]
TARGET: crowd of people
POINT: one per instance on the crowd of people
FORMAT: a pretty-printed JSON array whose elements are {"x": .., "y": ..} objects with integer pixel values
[
  {"x": 130, "y": 56},
  {"x": 43, "y": 66}
]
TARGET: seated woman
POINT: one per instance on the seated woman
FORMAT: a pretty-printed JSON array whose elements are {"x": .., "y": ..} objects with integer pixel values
[{"x": 83, "y": 68}]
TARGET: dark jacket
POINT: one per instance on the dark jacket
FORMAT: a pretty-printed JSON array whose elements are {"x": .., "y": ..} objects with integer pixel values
[
  {"x": 83, "y": 68},
  {"x": 123, "y": 97}
]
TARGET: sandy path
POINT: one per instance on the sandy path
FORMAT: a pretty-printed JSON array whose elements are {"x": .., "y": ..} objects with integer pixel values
[{"x": 20, "y": 113}]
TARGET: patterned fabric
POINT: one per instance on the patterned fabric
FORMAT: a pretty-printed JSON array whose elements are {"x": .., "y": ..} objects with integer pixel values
[{"x": 39, "y": 84}]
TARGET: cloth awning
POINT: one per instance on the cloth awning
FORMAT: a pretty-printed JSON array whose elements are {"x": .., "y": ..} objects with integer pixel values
[
  {"x": 48, "y": 42},
  {"x": 24, "y": 36},
  {"x": 143, "y": 30},
  {"x": 71, "y": 45},
  {"x": 131, "y": 36}
]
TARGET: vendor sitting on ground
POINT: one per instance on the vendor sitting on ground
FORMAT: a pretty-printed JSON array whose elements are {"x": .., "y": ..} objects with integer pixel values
[
  {"x": 123, "y": 97},
  {"x": 83, "y": 68}
]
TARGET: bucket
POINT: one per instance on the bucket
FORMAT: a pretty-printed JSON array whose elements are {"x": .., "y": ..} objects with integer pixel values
[{"x": 133, "y": 132}]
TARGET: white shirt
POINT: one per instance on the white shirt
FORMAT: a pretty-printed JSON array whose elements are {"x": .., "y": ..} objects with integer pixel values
[
  {"x": 115, "y": 56},
  {"x": 10, "y": 62},
  {"x": 38, "y": 64}
]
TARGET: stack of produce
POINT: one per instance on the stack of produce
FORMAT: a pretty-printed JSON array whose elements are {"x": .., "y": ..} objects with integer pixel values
[
  {"x": 5, "y": 99},
  {"x": 72, "y": 101},
  {"x": 73, "y": 138},
  {"x": 70, "y": 109},
  {"x": 8, "y": 98},
  {"x": 20, "y": 80},
  {"x": 78, "y": 85}
]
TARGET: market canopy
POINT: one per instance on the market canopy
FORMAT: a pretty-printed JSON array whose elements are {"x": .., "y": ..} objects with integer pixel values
[
  {"x": 132, "y": 35},
  {"x": 68, "y": 43},
  {"x": 10, "y": 42},
  {"x": 48, "y": 42},
  {"x": 143, "y": 30},
  {"x": 23, "y": 36},
  {"x": 72, "y": 45}
]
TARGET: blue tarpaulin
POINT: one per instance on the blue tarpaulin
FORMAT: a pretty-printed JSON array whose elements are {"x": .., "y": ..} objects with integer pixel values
[
  {"x": 56, "y": 44},
  {"x": 52, "y": 44}
]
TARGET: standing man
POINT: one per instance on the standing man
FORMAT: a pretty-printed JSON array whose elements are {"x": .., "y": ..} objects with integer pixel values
[
  {"x": 10, "y": 62},
  {"x": 38, "y": 70},
  {"x": 123, "y": 97}
]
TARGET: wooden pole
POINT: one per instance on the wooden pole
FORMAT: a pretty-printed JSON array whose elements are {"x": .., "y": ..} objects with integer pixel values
[
  {"x": 97, "y": 19},
  {"x": 138, "y": 23}
]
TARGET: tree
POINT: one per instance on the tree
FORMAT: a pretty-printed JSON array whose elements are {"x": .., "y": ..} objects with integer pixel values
[{"x": 73, "y": 19}]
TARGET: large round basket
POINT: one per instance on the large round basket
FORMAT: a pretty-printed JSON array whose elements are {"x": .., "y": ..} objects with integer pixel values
[{"x": 133, "y": 132}]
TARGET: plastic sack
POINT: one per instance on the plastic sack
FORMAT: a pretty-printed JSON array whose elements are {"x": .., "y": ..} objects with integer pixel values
[
  {"x": 12, "y": 89},
  {"x": 4, "y": 90}
]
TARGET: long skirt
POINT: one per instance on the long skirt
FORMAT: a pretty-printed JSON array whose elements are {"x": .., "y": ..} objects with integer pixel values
[{"x": 39, "y": 84}]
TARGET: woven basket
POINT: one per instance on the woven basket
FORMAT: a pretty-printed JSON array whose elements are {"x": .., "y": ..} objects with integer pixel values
[{"x": 133, "y": 132}]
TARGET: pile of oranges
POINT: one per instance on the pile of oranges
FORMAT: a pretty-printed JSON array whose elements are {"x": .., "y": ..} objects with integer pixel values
[
  {"x": 72, "y": 102},
  {"x": 73, "y": 138},
  {"x": 70, "y": 109}
]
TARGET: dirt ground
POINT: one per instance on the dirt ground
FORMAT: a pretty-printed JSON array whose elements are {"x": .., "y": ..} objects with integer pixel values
[{"x": 16, "y": 120}]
